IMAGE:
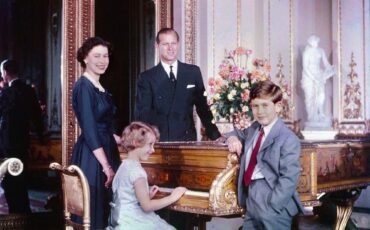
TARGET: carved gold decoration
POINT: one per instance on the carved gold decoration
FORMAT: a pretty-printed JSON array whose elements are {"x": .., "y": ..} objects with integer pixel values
[
  {"x": 307, "y": 181},
  {"x": 76, "y": 194},
  {"x": 287, "y": 108},
  {"x": 351, "y": 117},
  {"x": 353, "y": 126},
  {"x": 163, "y": 18},
  {"x": 352, "y": 94},
  {"x": 292, "y": 77},
  {"x": 190, "y": 31},
  {"x": 352, "y": 130},
  {"x": 78, "y": 24},
  {"x": 343, "y": 214},
  {"x": 223, "y": 190}
]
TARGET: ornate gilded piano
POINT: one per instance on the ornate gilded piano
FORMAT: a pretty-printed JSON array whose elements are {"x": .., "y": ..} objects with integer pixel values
[{"x": 210, "y": 172}]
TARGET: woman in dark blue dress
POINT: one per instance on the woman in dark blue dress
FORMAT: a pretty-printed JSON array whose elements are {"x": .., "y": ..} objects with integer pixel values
[{"x": 96, "y": 150}]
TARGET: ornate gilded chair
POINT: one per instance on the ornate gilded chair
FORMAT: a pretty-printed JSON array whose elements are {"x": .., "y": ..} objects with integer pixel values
[
  {"x": 76, "y": 195},
  {"x": 12, "y": 165}
]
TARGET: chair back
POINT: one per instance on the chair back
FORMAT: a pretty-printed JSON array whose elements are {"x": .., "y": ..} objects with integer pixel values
[
  {"x": 13, "y": 166},
  {"x": 76, "y": 195}
]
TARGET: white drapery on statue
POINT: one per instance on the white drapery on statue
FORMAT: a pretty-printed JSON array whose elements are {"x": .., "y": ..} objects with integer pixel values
[{"x": 316, "y": 71}]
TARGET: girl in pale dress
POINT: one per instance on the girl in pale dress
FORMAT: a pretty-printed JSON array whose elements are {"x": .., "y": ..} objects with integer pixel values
[{"x": 133, "y": 206}]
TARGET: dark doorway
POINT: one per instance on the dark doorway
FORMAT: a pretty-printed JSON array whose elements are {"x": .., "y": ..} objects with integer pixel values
[{"x": 130, "y": 27}]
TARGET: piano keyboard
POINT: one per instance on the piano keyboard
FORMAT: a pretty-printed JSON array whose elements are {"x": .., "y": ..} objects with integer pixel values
[{"x": 188, "y": 192}]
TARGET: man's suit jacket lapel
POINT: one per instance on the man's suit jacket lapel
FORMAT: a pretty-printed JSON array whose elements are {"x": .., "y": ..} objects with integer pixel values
[
  {"x": 180, "y": 84},
  {"x": 164, "y": 86}
]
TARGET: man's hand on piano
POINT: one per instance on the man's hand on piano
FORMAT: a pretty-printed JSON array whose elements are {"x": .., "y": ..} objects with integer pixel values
[
  {"x": 234, "y": 145},
  {"x": 153, "y": 190},
  {"x": 177, "y": 193},
  {"x": 221, "y": 139}
]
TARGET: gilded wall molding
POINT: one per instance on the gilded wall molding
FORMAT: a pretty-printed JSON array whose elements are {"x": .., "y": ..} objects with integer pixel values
[
  {"x": 190, "y": 31},
  {"x": 77, "y": 24},
  {"x": 163, "y": 18},
  {"x": 352, "y": 121}
]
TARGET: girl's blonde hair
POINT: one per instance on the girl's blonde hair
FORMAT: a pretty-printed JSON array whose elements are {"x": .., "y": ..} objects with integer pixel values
[{"x": 136, "y": 135}]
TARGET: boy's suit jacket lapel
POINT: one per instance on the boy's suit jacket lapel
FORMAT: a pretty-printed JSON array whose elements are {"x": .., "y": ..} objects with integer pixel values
[
  {"x": 251, "y": 132},
  {"x": 270, "y": 139}
]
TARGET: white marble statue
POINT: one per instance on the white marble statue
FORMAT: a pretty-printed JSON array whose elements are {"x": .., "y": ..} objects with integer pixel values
[{"x": 316, "y": 70}]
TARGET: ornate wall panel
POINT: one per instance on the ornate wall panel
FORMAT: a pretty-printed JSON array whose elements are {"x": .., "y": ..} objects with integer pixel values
[
  {"x": 279, "y": 47},
  {"x": 352, "y": 69},
  {"x": 164, "y": 18},
  {"x": 190, "y": 31},
  {"x": 77, "y": 24}
]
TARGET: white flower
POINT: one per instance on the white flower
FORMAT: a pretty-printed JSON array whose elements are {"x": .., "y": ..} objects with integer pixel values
[
  {"x": 231, "y": 110},
  {"x": 245, "y": 109},
  {"x": 205, "y": 94},
  {"x": 236, "y": 83},
  {"x": 285, "y": 96},
  {"x": 233, "y": 92},
  {"x": 244, "y": 85},
  {"x": 230, "y": 97},
  {"x": 217, "y": 96}
]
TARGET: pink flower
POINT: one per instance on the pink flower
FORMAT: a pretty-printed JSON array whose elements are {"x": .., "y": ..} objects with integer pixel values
[
  {"x": 224, "y": 73},
  {"x": 240, "y": 51},
  {"x": 245, "y": 95}
]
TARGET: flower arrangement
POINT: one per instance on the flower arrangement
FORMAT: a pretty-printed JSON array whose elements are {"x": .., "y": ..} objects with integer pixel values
[{"x": 229, "y": 95}]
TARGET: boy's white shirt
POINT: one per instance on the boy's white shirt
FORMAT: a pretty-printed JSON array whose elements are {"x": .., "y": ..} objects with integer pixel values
[{"x": 257, "y": 174}]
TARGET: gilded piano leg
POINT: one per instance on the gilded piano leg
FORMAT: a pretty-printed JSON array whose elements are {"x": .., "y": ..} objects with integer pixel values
[
  {"x": 343, "y": 214},
  {"x": 344, "y": 201}
]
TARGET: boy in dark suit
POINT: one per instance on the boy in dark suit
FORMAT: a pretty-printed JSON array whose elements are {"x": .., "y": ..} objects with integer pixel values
[
  {"x": 18, "y": 108},
  {"x": 269, "y": 165},
  {"x": 167, "y": 93}
]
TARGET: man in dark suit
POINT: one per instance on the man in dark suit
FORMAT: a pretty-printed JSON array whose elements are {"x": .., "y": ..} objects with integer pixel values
[
  {"x": 18, "y": 108},
  {"x": 167, "y": 93},
  {"x": 269, "y": 165}
]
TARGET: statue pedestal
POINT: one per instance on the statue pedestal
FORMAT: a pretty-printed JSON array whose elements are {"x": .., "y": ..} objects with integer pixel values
[
  {"x": 319, "y": 134},
  {"x": 322, "y": 124}
]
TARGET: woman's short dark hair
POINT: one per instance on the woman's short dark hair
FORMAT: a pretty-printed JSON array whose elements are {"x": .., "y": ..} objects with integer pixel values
[
  {"x": 266, "y": 89},
  {"x": 88, "y": 45}
]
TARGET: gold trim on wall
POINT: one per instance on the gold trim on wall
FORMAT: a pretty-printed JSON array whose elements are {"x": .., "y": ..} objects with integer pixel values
[
  {"x": 238, "y": 22},
  {"x": 190, "y": 31},
  {"x": 292, "y": 57},
  {"x": 163, "y": 18},
  {"x": 350, "y": 125},
  {"x": 77, "y": 24}
]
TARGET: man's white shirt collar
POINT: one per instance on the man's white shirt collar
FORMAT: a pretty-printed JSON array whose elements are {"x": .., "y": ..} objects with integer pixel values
[{"x": 168, "y": 69}]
